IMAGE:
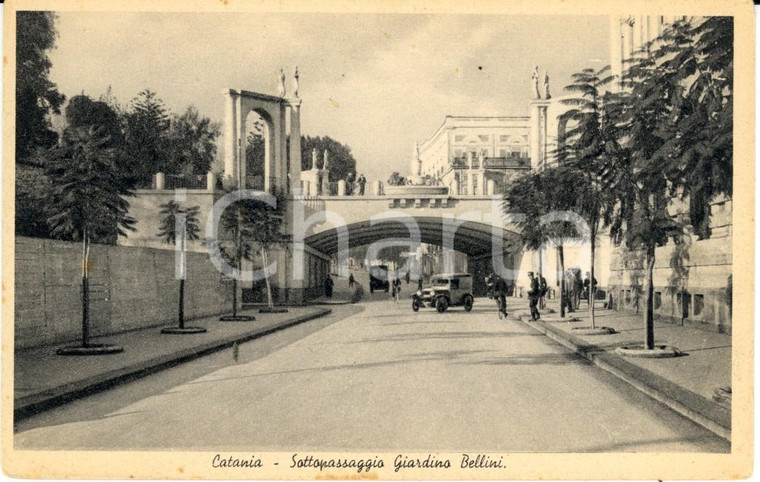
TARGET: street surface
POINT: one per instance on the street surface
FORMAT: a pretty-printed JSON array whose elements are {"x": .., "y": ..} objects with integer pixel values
[{"x": 376, "y": 376}]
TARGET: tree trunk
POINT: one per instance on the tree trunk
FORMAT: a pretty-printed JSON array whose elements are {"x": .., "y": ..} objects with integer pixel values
[
  {"x": 181, "y": 303},
  {"x": 85, "y": 290},
  {"x": 561, "y": 253},
  {"x": 234, "y": 296},
  {"x": 650, "y": 297},
  {"x": 265, "y": 260},
  {"x": 592, "y": 287}
]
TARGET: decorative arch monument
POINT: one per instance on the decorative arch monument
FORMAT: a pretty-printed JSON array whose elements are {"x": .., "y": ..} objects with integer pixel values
[{"x": 282, "y": 117}]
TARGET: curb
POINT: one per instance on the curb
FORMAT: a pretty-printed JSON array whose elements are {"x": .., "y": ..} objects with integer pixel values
[
  {"x": 29, "y": 405},
  {"x": 707, "y": 413}
]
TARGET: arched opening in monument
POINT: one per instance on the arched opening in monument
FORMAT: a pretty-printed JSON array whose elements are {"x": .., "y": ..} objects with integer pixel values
[{"x": 258, "y": 148}]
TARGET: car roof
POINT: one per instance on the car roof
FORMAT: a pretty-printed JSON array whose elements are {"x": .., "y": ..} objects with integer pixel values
[{"x": 452, "y": 275}]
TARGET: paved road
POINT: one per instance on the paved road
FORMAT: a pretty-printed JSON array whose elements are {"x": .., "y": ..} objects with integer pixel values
[{"x": 382, "y": 378}]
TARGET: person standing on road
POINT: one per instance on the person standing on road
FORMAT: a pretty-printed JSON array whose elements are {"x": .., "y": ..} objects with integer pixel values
[
  {"x": 408, "y": 277},
  {"x": 351, "y": 280},
  {"x": 419, "y": 283},
  {"x": 328, "y": 286},
  {"x": 533, "y": 294}
]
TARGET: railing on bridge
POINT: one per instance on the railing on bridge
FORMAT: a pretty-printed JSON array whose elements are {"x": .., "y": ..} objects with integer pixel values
[{"x": 509, "y": 162}]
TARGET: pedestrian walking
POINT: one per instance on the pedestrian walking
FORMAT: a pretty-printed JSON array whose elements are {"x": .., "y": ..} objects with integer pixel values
[
  {"x": 396, "y": 289},
  {"x": 533, "y": 295},
  {"x": 328, "y": 286},
  {"x": 351, "y": 280},
  {"x": 408, "y": 277},
  {"x": 544, "y": 289},
  {"x": 419, "y": 283}
]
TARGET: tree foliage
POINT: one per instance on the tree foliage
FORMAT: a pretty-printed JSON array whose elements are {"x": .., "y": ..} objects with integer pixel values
[
  {"x": 36, "y": 95},
  {"x": 147, "y": 126},
  {"x": 191, "y": 143},
  {"x": 340, "y": 159}
]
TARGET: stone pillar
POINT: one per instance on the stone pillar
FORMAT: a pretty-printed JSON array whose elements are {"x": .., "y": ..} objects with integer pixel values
[
  {"x": 160, "y": 180},
  {"x": 535, "y": 138},
  {"x": 491, "y": 187},
  {"x": 230, "y": 128},
  {"x": 240, "y": 143},
  {"x": 342, "y": 187},
  {"x": 538, "y": 132},
  {"x": 210, "y": 181},
  {"x": 325, "y": 182},
  {"x": 377, "y": 188},
  {"x": 306, "y": 188},
  {"x": 295, "y": 144}
]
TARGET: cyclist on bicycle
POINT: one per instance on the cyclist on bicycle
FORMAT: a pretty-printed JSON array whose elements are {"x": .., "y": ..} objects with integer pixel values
[{"x": 500, "y": 293}]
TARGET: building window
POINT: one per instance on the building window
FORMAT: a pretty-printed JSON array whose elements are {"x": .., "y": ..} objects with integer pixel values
[
  {"x": 503, "y": 138},
  {"x": 627, "y": 297},
  {"x": 483, "y": 138},
  {"x": 699, "y": 304},
  {"x": 474, "y": 185},
  {"x": 458, "y": 153},
  {"x": 657, "y": 300},
  {"x": 458, "y": 138}
]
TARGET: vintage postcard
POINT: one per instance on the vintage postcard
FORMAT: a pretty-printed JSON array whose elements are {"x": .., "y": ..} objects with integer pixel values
[{"x": 378, "y": 240}]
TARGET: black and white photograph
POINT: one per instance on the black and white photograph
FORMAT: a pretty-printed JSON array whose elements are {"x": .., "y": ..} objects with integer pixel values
[{"x": 385, "y": 240}]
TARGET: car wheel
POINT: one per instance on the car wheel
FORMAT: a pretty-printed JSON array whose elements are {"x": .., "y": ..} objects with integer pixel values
[
  {"x": 441, "y": 304},
  {"x": 468, "y": 303},
  {"x": 415, "y": 305}
]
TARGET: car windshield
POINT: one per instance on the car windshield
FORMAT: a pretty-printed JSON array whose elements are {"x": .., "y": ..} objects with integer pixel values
[{"x": 440, "y": 282}]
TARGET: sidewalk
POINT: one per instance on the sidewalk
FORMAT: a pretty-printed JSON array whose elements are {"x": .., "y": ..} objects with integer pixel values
[
  {"x": 43, "y": 379},
  {"x": 685, "y": 383}
]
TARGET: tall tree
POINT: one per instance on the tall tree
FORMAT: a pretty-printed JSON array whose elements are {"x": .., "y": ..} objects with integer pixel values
[
  {"x": 36, "y": 95},
  {"x": 191, "y": 143},
  {"x": 82, "y": 111},
  {"x": 543, "y": 200},
  {"x": 267, "y": 231},
  {"x": 87, "y": 201},
  {"x": 177, "y": 226},
  {"x": 147, "y": 127},
  {"x": 591, "y": 147}
]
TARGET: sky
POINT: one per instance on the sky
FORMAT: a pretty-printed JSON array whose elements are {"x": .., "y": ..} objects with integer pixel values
[{"x": 376, "y": 82}]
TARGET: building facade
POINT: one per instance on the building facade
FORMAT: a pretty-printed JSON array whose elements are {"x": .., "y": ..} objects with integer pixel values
[{"x": 477, "y": 156}]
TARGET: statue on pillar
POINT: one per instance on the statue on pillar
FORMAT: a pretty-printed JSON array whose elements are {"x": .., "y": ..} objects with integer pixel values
[
  {"x": 295, "y": 82},
  {"x": 534, "y": 92},
  {"x": 547, "y": 95},
  {"x": 325, "y": 164},
  {"x": 281, "y": 84},
  {"x": 314, "y": 159}
]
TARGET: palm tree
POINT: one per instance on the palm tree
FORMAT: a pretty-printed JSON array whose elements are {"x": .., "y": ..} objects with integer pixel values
[
  {"x": 177, "y": 226},
  {"x": 87, "y": 202}
]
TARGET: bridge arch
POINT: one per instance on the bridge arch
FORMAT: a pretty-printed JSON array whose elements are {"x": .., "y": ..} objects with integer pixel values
[{"x": 481, "y": 242}]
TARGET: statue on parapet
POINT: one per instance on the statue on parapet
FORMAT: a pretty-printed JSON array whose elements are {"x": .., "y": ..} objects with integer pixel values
[
  {"x": 314, "y": 159},
  {"x": 281, "y": 84},
  {"x": 547, "y": 95},
  {"x": 326, "y": 162},
  {"x": 295, "y": 82},
  {"x": 534, "y": 92}
]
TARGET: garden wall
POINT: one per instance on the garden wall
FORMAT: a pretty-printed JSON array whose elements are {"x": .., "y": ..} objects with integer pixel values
[{"x": 130, "y": 288}]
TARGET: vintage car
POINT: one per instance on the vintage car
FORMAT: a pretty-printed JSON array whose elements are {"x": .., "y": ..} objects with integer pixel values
[{"x": 445, "y": 290}]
